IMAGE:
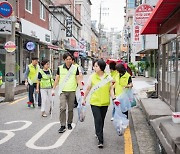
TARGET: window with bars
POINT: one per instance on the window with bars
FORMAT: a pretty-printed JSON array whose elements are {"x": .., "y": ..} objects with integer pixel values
[{"x": 28, "y": 5}]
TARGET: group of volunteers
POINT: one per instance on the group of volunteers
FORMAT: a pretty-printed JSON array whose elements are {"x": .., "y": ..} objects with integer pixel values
[{"x": 101, "y": 89}]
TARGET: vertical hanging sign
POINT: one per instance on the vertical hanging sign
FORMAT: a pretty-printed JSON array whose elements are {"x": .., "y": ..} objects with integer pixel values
[{"x": 69, "y": 26}]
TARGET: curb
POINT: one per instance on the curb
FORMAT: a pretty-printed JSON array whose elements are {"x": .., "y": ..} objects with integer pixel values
[{"x": 145, "y": 136}]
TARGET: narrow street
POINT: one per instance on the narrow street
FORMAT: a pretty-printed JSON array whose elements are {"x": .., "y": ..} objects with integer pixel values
[
  {"x": 28, "y": 132},
  {"x": 48, "y": 44},
  {"x": 23, "y": 130}
]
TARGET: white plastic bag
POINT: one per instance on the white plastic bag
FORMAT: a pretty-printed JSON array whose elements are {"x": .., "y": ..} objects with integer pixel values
[
  {"x": 81, "y": 112},
  {"x": 124, "y": 101},
  {"x": 81, "y": 108},
  {"x": 120, "y": 121}
]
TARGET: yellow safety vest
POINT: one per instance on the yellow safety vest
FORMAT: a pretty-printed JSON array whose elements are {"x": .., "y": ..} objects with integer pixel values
[
  {"x": 76, "y": 65},
  {"x": 101, "y": 97},
  {"x": 120, "y": 83},
  {"x": 71, "y": 83},
  {"x": 33, "y": 74},
  {"x": 1, "y": 82},
  {"x": 46, "y": 80},
  {"x": 113, "y": 74}
]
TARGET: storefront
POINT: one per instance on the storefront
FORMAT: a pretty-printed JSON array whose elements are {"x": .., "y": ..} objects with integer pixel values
[
  {"x": 160, "y": 22},
  {"x": 34, "y": 41}
]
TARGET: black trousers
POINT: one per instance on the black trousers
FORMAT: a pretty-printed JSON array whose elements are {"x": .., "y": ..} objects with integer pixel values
[
  {"x": 99, "y": 114},
  {"x": 31, "y": 92},
  {"x": 126, "y": 113}
]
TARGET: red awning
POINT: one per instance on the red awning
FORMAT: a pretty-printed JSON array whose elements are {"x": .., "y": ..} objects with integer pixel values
[
  {"x": 114, "y": 60},
  {"x": 161, "y": 12},
  {"x": 54, "y": 47}
]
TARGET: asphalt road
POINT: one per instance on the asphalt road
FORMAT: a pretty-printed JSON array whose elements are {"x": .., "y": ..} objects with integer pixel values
[{"x": 24, "y": 131}]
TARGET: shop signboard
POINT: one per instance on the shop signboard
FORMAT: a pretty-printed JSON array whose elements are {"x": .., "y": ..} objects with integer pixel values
[
  {"x": 30, "y": 46},
  {"x": 5, "y": 9},
  {"x": 82, "y": 45},
  {"x": 73, "y": 42},
  {"x": 69, "y": 26},
  {"x": 5, "y": 26},
  {"x": 9, "y": 77},
  {"x": 136, "y": 34},
  {"x": 142, "y": 13},
  {"x": 10, "y": 46}
]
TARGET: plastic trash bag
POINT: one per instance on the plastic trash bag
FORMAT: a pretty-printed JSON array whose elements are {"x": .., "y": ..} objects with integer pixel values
[
  {"x": 120, "y": 121},
  {"x": 81, "y": 112},
  {"x": 131, "y": 97},
  {"x": 124, "y": 100},
  {"x": 81, "y": 108}
]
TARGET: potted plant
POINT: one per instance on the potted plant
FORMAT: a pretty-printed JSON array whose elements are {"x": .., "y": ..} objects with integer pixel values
[
  {"x": 146, "y": 67},
  {"x": 141, "y": 68},
  {"x": 133, "y": 68}
]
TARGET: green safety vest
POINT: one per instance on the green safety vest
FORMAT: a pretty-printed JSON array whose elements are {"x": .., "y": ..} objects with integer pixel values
[
  {"x": 100, "y": 97},
  {"x": 33, "y": 74},
  {"x": 46, "y": 80},
  {"x": 71, "y": 83},
  {"x": 120, "y": 83}
]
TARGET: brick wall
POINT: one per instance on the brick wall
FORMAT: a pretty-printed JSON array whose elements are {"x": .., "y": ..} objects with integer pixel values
[
  {"x": 69, "y": 3},
  {"x": 78, "y": 12},
  {"x": 35, "y": 16}
]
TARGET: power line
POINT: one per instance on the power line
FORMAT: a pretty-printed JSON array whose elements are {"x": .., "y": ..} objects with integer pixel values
[
  {"x": 79, "y": 12},
  {"x": 59, "y": 20}
]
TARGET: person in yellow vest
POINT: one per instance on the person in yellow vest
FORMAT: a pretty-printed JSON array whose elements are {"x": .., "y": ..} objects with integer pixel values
[
  {"x": 1, "y": 79},
  {"x": 31, "y": 75},
  {"x": 80, "y": 77},
  {"x": 45, "y": 82},
  {"x": 113, "y": 72},
  {"x": 68, "y": 77},
  {"x": 122, "y": 80},
  {"x": 99, "y": 91}
]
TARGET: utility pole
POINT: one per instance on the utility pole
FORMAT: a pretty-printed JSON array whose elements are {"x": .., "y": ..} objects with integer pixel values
[
  {"x": 100, "y": 27},
  {"x": 128, "y": 45},
  {"x": 10, "y": 62}
]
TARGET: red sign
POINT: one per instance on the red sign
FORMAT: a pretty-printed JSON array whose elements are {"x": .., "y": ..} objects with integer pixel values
[
  {"x": 76, "y": 54},
  {"x": 136, "y": 34},
  {"x": 73, "y": 43},
  {"x": 10, "y": 46},
  {"x": 142, "y": 13}
]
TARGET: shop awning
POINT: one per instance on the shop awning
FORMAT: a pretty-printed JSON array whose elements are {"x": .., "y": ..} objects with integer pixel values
[
  {"x": 162, "y": 11},
  {"x": 146, "y": 51},
  {"x": 54, "y": 47},
  {"x": 27, "y": 37}
]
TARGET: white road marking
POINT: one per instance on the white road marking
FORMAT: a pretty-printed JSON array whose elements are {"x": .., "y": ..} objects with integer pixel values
[
  {"x": 7, "y": 137},
  {"x": 58, "y": 143},
  {"x": 26, "y": 125},
  {"x": 10, "y": 133}
]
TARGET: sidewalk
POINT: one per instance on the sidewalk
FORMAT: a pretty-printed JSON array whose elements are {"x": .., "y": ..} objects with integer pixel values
[
  {"x": 157, "y": 120},
  {"x": 17, "y": 90}
]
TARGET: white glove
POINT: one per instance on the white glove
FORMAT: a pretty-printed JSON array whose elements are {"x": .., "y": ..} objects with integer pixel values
[{"x": 53, "y": 92}]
